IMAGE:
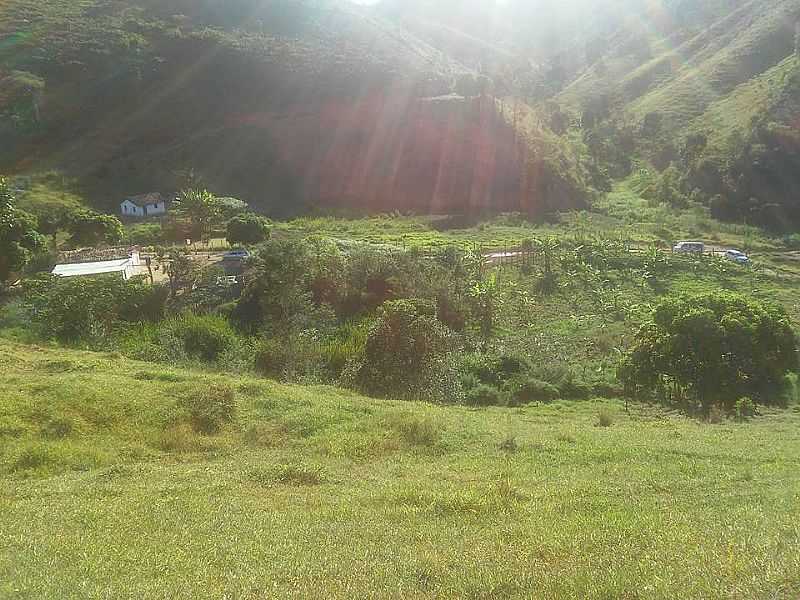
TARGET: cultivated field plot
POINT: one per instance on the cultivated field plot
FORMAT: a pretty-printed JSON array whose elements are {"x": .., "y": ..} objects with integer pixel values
[{"x": 108, "y": 491}]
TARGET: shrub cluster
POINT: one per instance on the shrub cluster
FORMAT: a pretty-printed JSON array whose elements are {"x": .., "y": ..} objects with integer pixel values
[
  {"x": 209, "y": 409},
  {"x": 706, "y": 351},
  {"x": 511, "y": 380}
]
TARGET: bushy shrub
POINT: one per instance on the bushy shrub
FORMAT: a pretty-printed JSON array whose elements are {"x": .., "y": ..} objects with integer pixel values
[
  {"x": 407, "y": 353},
  {"x": 238, "y": 357},
  {"x": 345, "y": 346},
  {"x": 296, "y": 358},
  {"x": 574, "y": 389},
  {"x": 496, "y": 369},
  {"x": 210, "y": 408},
  {"x": 145, "y": 234},
  {"x": 89, "y": 228},
  {"x": 604, "y": 389},
  {"x": 204, "y": 337},
  {"x": 570, "y": 386},
  {"x": 75, "y": 310},
  {"x": 278, "y": 294},
  {"x": 41, "y": 262},
  {"x": 715, "y": 416},
  {"x": 274, "y": 357},
  {"x": 19, "y": 239},
  {"x": 526, "y": 390},
  {"x": 791, "y": 241},
  {"x": 745, "y": 408},
  {"x": 605, "y": 418},
  {"x": 452, "y": 310},
  {"x": 247, "y": 228},
  {"x": 485, "y": 395}
]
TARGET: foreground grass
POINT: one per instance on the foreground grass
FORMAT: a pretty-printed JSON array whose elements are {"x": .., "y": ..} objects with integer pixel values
[{"x": 317, "y": 492}]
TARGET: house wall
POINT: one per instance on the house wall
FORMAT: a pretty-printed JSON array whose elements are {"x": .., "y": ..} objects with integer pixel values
[
  {"x": 156, "y": 209},
  {"x": 129, "y": 209}
]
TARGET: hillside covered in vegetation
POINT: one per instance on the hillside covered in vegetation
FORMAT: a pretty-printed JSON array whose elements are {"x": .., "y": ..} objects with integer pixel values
[
  {"x": 284, "y": 104},
  {"x": 430, "y": 107}
]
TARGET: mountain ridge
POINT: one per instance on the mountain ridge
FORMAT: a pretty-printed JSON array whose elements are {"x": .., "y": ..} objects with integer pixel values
[{"x": 300, "y": 105}]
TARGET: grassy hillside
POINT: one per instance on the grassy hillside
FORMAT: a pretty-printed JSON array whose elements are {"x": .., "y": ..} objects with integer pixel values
[
  {"x": 104, "y": 490},
  {"x": 718, "y": 100}
]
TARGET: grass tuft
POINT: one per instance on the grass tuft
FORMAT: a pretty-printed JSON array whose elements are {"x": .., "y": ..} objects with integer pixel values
[
  {"x": 414, "y": 430},
  {"x": 32, "y": 458},
  {"x": 605, "y": 418},
  {"x": 293, "y": 475}
]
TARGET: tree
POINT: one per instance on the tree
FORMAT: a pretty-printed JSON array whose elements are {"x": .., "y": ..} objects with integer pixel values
[
  {"x": 547, "y": 248},
  {"x": 21, "y": 96},
  {"x": 667, "y": 188},
  {"x": 19, "y": 240},
  {"x": 231, "y": 207},
  {"x": 247, "y": 228},
  {"x": 89, "y": 228},
  {"x": 486, "y": 303},
  {"x": 200, "y": 208},
  {"x": 710, "y": 350},
  {"x": 406, "y": 352},
  {"x": 278, "y": 293},
  {"x": 181, "y": 271},
  {"x": 53, "y": 221}
]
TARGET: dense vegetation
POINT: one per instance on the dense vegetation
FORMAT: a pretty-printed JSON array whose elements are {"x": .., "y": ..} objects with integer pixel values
[
  {"x": 19, "y": 238},
  {"x": 445, "y": 325},
  {"x": 713, "y": 350}
]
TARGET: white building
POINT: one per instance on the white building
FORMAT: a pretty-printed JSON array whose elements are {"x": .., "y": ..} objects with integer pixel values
[
  {"x": 126, "y": 267},
  {"x": 145, "y": 205}
]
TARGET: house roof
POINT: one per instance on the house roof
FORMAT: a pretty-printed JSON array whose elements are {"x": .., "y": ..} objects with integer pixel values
[
  {"x": 143, "y": 200},
  {"x": 93, "y": 268}
]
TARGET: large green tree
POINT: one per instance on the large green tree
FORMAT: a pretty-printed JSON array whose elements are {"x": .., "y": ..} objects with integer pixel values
[
  {"x": 19, "y": 239},
  {"x": 247, "y": 228},
  {"x": 89, "y": 228},
  {"x": 710, "y": 350}
]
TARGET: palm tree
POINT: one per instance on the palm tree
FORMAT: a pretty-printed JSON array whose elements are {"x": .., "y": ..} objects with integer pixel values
[{"x": 200, "y": 208}]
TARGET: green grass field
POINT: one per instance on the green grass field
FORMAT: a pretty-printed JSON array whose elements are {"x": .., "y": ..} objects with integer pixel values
[
  {"x": 316, "y": 492},
  {"x": 622, "y": 215}
]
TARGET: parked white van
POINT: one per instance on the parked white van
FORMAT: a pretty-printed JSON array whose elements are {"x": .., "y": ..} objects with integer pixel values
[{"x": 690, "y": 247}]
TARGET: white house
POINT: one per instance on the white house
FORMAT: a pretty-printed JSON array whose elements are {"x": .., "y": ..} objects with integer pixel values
[{"x": 145, "y": 205}]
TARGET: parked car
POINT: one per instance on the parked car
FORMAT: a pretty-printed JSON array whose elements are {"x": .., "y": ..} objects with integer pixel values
[
  {"x": 690, "y": 247},
  {"x": 236, "y": 255},
  {"x": 739, "y": 258}
]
